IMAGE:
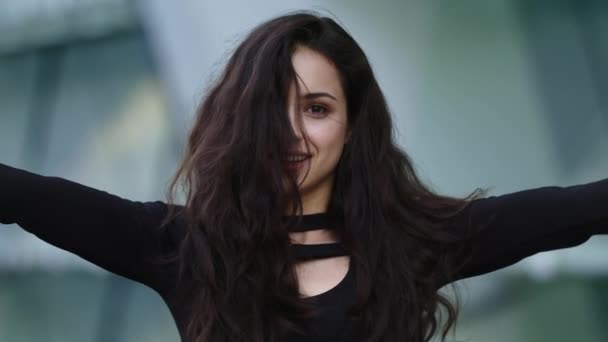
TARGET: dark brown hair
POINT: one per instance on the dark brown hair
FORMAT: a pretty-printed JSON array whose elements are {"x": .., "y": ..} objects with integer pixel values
[{"x": 236, "y": 255}]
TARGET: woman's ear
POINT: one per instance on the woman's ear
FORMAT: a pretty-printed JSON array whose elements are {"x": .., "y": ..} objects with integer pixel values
[{"x": 347, "y": 137}]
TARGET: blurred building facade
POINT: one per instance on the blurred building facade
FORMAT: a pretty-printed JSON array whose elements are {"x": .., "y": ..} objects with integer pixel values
[{"x": 508, "y": 94}]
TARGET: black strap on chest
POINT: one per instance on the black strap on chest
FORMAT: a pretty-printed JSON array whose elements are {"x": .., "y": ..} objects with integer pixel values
[
  {"x": 310, "y": 222},
  {"x": 315, "y": 251},
  {"x": 318, "y": 251}
]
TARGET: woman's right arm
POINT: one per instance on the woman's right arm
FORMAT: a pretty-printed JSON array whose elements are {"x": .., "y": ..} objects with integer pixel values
[{"x": 116, "y": 234}]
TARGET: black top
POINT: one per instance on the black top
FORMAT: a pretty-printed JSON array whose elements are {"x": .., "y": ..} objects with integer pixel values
[{"x": 118, "y": 235}]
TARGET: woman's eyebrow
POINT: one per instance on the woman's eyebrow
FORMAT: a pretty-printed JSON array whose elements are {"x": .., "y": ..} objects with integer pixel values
[{"x": 310, "y": 96}]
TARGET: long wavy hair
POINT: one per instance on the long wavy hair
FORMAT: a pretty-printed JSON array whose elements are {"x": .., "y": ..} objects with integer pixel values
[{"x": 235, "y": 260}]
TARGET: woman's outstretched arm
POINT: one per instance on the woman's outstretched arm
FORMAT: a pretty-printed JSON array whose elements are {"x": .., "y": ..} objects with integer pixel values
[
  {"x": 116, "y": 234},
  {"x": 520, "y": 224}
]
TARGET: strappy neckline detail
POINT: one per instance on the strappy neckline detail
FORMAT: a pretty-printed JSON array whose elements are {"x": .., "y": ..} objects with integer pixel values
[
  {"x": 308, "y": 222},
  {"x": 304, "y": 252},
  {"x": 316, "y": 251},
  {"x": 337, "y": 289}
]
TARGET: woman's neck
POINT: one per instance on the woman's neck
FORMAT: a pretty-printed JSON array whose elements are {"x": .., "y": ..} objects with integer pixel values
[{"x": 315, "y": 202}]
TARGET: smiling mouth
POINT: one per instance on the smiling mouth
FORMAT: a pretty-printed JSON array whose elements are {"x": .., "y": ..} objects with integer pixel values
[
  {"x": 294, "y": 158},
  {"x": 295, "y": 162}
]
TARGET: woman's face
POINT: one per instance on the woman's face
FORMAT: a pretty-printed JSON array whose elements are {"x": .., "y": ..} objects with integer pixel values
[{"x": 324, "y": 121}]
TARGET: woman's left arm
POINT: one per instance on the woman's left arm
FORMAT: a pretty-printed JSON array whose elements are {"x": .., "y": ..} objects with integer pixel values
[{"x": 520, "y": 224}]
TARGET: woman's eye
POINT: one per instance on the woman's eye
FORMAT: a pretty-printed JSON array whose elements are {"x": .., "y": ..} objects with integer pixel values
[{"x": 317, "y": 109}]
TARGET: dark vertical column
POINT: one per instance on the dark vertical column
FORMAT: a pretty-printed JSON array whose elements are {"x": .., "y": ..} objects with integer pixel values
[
  {"x": 46, "y": 84},
  {"x": 114, "y": 310},
  {"x": 591, "y": 20},
  {"x": 567, "y": 55}
]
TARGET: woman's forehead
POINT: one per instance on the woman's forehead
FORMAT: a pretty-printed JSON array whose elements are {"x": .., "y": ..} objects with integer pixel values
[{"x": 315, "y": 74}]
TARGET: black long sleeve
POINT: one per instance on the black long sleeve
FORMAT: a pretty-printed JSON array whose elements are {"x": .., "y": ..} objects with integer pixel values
[
  {"x": 120, "y": 235},
  {"x": 116, "y": 234},
  {"x": 523, "y": 223}
]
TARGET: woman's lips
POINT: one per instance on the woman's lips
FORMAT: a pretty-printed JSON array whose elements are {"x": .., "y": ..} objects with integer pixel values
[{"x": 295, "y": 165}]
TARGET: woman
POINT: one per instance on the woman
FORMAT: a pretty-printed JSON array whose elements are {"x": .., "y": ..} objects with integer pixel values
[{"x": 303, "y": 219}]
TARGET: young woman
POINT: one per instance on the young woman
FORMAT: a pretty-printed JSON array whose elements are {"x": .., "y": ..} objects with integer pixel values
[{"x": 303, "y": 220}]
